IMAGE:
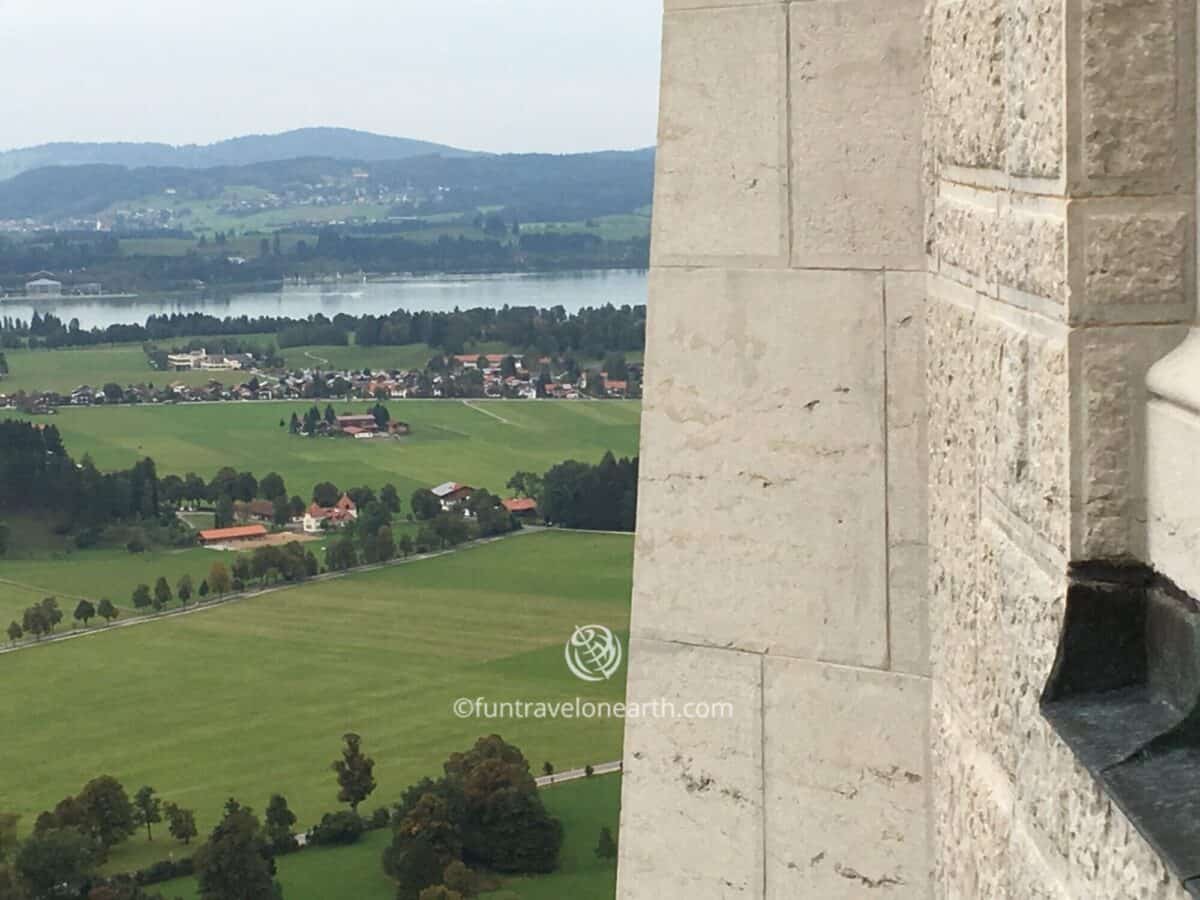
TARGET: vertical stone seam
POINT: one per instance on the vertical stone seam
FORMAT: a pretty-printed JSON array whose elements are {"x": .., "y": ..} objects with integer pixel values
[
  {"x": 789, "y": 214},
  {"x": 762, "y": 767},
  {"x": 887, "y": 478}
]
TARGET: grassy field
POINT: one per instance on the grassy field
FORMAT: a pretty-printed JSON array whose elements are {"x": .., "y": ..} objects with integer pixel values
[
  {"x": 252, "y": 698},
  {"x": 481, "y": 445},
  {"x": 584, "y": 807}
]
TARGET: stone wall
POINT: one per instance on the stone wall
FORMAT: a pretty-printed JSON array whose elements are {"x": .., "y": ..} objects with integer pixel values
[
  {"x": 781, "y": 551},
  {"x": 912, "y": 264}
]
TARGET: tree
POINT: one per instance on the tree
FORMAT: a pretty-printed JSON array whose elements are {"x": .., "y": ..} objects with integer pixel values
[
  {"x": 415, "y": 865},
  {"x": 341, "y": 555},
  {"x": 280, "y": 821},
  {"x": 203, "y": 589},
  {"x": 235, "y": 863},
  {"x": 141, "y": 596},
  {"x": 606, "y": 847},
  {"x": 425, "y": 504},
  {"x": 547, "y": 769},
  {"x": 53, "y": 615},
  {"x": 281, "y": 512},
  {"x": 162, "y": 593},
  {"x": 15, "y": 631},
  {"x": 107, "y": 610},
  {"x": 181, "y": 823},
  {"x": 223, "y": 518},
  {"x": 384, "y": 545},
  {"x": 218, "y": 579},
  {"x": 381, "y": 414},
  {"x": 183, "y": 589},
  {"x": 458, "y": 877},
  {"x": 147, "y": 808},
  {"x": 272, "y": 486},
  {"x": 390, "y": 498},
  {"x": 294, "y": 425},
  {"x": 108, "y": 814},
  {"x": 330, "y": 415},
  {"x": 84, "y": 611},
  {"x": 56, "y": 863},
  {"x": 326, "y": 494},
  {"x": 5, "y": 533},
  {"x": 405, "y": 546},
  {"x": 8, "y": 836},
  {"x": 355, "y": 772},
  {"x": 439, "y": 892}
]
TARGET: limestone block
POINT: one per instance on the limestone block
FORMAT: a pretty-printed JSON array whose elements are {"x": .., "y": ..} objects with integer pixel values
[
  {"x": 856, "y": 75},
  {"x": 1136, "y": 105},
  {"x": 1034, "y": 102},
  {"x": 968, "y": 82},
  {"x": 846, "y": 793},
  {"x": 691, "y": 810},
  {"x": 1131, "y": 261},
  {"x": 764, "y": 416},
  {"x": 1172, "y": 479},
  {"x": 965, "y": 237},
  {"x": 1109, "y": 368},
  {"x": 1031, "y": 248},
  {"x": 908, "y": 474},
  {"x": 721, "y": 182},
  {"x": 954, "y": 434}
]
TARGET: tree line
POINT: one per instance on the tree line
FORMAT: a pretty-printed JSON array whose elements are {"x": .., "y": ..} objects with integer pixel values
[{"x": 574, "y": 494}]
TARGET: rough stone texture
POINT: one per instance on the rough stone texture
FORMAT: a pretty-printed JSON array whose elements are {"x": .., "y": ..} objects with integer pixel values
[
  {"x": 1031, "y": 252},
  {"x": 908, "y": 474},
  {"x": 721, "y": 182},
  {"x": 752, "y": 426},
  {"x": 965, "y": 237},
  {"x": 968, "y": 82},
  {"x": 691, "y": 807},
  {"x": 1133, "y": 261},
  {"x": 846, "y": 803},
  {"x": 856, "y": 96},
  {"x": 1034, "y": 104},
  {"x": 1132, "y": 104},
  {"x": 1109, "y": 367}
]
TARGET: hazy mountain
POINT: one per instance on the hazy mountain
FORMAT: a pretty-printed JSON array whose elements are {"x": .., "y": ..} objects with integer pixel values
[
  {"x": 332, "y": 143},
  {"x": 531, "y": 187}
]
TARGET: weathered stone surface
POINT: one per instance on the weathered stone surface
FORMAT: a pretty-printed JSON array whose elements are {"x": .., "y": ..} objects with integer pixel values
[
  {"x": 856, "y": 150},
  {"x": 721, "y": 189},
  {"x": 1133, "y": 261},
  {"x": 692, "y": 788},
  {"x": 908, "y": 474},
  {"x": 784, "y": 373},
  {"x": 1034, "y": 103},
  {"x": 846, "y": 796},
  {"x": 1031, "y": 250},
  {"x": 965, "y": 237},
  {"x": 1133, "y": 107},
  {"x": 968, "y": 82},
  {"x": 1109, "y": 367}
]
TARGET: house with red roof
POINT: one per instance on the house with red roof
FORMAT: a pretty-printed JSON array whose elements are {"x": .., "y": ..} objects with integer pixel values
[
  {"x": 323, "y": 518},
  {"x": 237, "y": 533}
]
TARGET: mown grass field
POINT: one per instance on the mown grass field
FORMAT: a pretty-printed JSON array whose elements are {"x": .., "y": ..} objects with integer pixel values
[
  {"x": 584, "y": 807},
  {"x": 252, "y": 698},
  {"x": 481, "y": 444}
]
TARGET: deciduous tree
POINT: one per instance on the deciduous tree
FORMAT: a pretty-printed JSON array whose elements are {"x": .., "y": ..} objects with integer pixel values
[
  {"x": 147, "y": 808},
  {"x": 355, "y": 772},
  {"x": 84, "y": 611}
]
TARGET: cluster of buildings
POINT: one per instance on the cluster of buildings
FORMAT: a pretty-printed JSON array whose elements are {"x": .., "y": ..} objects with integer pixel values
[
  {"x": 324, "y": 518},
  {"x": 199, "y": 360}
]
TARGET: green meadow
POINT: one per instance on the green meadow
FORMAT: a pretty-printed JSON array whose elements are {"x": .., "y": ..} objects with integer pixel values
[
  {"x": 482, "y": 443},
  {"x": 584, "y": 807},
  {"x": 252, "y": 698}
]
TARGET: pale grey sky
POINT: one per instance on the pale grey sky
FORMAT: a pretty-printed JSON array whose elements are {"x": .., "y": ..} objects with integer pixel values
[{"x": 499, "y": 75}]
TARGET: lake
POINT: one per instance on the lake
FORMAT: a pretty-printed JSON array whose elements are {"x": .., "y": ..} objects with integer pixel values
[{"x": 440, "y": 293}]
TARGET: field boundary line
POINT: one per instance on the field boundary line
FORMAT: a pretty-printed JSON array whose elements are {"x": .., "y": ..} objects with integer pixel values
[
  {"x": 49, "y": 592},
  {"x": 250, "y": 595},
  {"x": 470, "y": 405},
  {"x": 607, "y": 768}
]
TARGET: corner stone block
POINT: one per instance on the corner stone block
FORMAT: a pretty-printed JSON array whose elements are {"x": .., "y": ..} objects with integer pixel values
[
  {"x": 856, "y": 77},
  {"x": 691, "y": 812},
  {"x": 847, "y": 782},
  {"x": 783, "y": 372},
  {"x": 721, "y": 181}
]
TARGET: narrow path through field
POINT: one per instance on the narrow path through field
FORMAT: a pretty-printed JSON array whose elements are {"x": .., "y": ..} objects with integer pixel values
[
  {"x": 322, "y": 360},
  {"x": 249, "y": 595},
  {"x": 471, "y": 405},
  {"x": 49, "y": 592},
  {"x": 575, "y": 774}
]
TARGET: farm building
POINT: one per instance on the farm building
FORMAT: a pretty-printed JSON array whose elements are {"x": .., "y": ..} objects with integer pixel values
[
  {"x": 263, "y": 510},
  {"x": 237, "y": 533},
  {"x": 522, "y": 507},
  {"x": 451, "y": 494},
  {"x": 319, "y": 518},
  {"x": 358, "y": 426},
  {"x": 43, "y": 287}
]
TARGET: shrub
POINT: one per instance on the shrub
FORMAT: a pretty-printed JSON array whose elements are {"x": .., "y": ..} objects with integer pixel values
[
  {"x": 337, "y": 829},
  {"x": 381, "y": 818},
  {"x": 165, "y": 870}
]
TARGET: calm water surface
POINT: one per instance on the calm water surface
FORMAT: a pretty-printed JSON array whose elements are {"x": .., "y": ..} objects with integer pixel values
[{"x": 441, "y": 293}]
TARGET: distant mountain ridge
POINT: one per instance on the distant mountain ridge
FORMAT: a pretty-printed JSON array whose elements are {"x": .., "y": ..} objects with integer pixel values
[{"x": 328, "y": 143}]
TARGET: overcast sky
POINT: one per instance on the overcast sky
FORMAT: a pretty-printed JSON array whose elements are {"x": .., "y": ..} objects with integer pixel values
[{"x": 498, "y": 75}]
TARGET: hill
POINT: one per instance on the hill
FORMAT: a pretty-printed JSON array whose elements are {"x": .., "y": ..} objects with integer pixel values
[
  {"x": 334, "y": 143},
  {"x": 531, "y": 187}
]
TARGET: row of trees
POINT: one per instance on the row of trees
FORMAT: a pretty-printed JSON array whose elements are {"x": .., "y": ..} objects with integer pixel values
[
  {"x": 592, "y": 331},
  {"x": 575, "y": 494}
]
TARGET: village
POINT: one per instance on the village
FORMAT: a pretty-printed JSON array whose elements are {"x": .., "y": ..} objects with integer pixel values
[{"x": 463, "y": 376}]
